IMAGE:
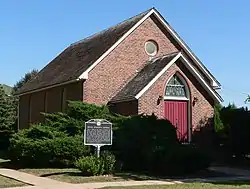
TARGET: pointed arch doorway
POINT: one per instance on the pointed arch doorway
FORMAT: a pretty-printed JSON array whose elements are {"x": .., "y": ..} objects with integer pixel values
[{"x": 177, "y": 106}]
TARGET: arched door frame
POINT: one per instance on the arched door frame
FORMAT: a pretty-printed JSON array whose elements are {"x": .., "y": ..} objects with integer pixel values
[{"x": 187, "y": 98}]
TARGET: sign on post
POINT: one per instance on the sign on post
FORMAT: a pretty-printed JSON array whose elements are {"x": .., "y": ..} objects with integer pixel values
[{"x": 98, "y": 132}]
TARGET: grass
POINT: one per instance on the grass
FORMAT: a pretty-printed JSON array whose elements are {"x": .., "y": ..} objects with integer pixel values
[
  {"x": 7, "y": 182},
  {"x": 75, "y": 176},
  {"x": 217, "y": 185}
]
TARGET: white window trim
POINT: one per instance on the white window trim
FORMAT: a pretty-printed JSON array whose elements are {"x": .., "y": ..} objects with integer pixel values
[
  {"x": 175, "y": 98},
  {"x": 191, "y": 69},
  {"x": 156, "y": 50}
]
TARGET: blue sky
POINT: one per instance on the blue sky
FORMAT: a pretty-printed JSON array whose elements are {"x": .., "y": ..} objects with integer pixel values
[{"x": 34, "y": 32}]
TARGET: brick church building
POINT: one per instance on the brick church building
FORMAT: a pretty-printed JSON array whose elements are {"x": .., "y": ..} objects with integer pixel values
[{"x": 140, "y": 65}]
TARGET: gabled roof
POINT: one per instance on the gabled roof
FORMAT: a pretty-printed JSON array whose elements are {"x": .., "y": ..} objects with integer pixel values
[
  {"x": 141, "y": 80},
  {"x": 79, "y": 56},
  {"x": 76, "y": 61},
  {"x": 153, "y": 71}
]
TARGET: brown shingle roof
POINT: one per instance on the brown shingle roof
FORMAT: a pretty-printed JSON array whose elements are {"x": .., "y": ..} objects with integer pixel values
[
  {"x": 140, "y": 81},
  {"x": 75, "y": 59}
]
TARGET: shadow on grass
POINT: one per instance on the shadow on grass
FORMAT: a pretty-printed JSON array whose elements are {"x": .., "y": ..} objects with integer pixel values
[
  {"x": 144, "y": 176},
  {"x": 233, "y": 182},
  {"x": 74, "y": 174}
]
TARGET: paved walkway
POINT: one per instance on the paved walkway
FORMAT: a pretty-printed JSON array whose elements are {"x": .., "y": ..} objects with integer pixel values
[
  {"x": 30, "y": 179},
  {"x": 46, "y": 183},
  {"x": 231, "y": 171}
]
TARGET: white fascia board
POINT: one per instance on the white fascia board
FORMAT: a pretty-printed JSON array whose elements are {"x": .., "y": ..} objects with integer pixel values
[
  {"x": 157, "y": 76},
  {"x": 184, "y": 46},
  {"x": 190, "y": 67},
  {"x": 200, "y": 79},
  {"x": 214, "y": 83},
  {"x": 84, "y": 75}
]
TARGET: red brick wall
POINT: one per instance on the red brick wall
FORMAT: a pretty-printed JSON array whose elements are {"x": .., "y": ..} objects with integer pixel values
[
  {"x": 114, "y": 71},
  {"x": 180, "y": 48},
  {"x": 202, "y": 110},
  {"x": 50, "y": 100}
]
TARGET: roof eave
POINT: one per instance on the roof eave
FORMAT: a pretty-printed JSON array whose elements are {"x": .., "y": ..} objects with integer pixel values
[
  {"x": 214, "y": 81},
  {"x": 216, "y": 97},
  {"x": 47, "y": 87}
]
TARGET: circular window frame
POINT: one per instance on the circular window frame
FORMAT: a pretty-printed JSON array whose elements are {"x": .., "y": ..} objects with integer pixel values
[{"x": 156, "y": 49}]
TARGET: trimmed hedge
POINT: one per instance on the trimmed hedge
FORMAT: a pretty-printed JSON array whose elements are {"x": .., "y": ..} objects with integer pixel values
[{"x": 41, "y": 146}]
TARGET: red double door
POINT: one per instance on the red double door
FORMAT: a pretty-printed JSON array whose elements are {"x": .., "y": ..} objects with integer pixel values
[{"x": 177, "y": 113}]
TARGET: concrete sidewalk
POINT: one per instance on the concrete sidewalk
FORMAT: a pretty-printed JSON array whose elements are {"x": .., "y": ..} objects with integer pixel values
[
  {"x": 125, "y": 183},
  {"x": 30, "y": 179},
  {"x": 46, "y": 183},
  {"x": 231, "y": 171}
]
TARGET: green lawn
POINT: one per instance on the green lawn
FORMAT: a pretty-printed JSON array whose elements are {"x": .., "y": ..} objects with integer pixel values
[
  {"x": 227, "y": 185},
  {"x": 7, "y": 182},
  {"x": 75, "y": 176}
]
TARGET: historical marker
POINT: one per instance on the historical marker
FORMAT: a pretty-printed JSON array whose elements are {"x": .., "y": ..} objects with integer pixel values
[{"x": 98, "y": 132}]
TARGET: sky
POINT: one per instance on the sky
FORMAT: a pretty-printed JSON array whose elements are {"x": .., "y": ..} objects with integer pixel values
[{"x": 32, "y": 33}]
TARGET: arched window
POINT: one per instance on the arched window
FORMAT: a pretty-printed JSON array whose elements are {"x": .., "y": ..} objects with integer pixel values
[{"x": 176, "y": 87}]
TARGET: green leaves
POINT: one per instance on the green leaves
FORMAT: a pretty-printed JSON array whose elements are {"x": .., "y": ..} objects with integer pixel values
[{"x": 93, "y": 166}]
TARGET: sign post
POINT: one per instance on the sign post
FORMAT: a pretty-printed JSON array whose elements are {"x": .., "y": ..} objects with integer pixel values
[{"x": 98, "y": 133}]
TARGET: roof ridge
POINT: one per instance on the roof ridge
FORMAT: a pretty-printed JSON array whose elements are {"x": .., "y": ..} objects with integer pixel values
[{"x": 109, "y": 28}]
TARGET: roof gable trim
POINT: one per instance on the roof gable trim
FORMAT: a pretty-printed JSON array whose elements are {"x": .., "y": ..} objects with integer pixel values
[
  {"x": 84, "y": 75},
  {"x": 214, "y": 82},
  {"x": 193, "y": 71}
]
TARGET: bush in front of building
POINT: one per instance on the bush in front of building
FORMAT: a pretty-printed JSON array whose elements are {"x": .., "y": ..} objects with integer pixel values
[
  {"x": 178, "y": 160},
  {"x": 147, "y": 144},
  {"x": 139, "y": 138},
  {"x": 93, "y": 166},
  {"x": 140, "y": 143},
  {"x": 43, "y": 146}
]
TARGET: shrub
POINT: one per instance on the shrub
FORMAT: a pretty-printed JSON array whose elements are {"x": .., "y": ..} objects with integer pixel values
[
  {"x": 92, "y": 165},
  {"x": 64, "y": 123},
  {"x": 147, "y": 144},
  {"x": 84, "y": 112},
  {"x": 179, "y": 160},
  {"x": 108, "y": 160},
  {"x": 39, "y": 131},
  {"x": 41, "y": 146},
  {"x": 139, "y": 137}
]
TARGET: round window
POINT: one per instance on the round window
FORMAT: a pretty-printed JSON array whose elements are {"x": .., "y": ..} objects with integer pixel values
[{"x": 151, "y": 48}]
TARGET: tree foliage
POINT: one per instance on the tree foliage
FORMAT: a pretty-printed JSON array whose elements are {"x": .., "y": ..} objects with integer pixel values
[
  {"x": 7, "y": 118},
  {"x": 141, "y": 143},
  {"x": 218, "y": 124},
  {"x": 27, "y": 77}
]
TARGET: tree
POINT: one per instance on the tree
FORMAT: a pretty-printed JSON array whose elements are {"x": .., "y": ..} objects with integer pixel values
[
  {"x": 27, "y": 77},
  {"x": 8, "y": 117},
  {"x": 7, "y": 111},
  {"x": 218, "y": 124}
]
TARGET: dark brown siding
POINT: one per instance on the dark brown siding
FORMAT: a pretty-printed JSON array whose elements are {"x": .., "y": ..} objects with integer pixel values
[
  {"x": 24, "y": 102},
  {"x": 54, "y": 99},
  {"x": 50, "y": 101},
  {"x": 37, "y": 106},
  {"x": 125, "y": 108}
]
